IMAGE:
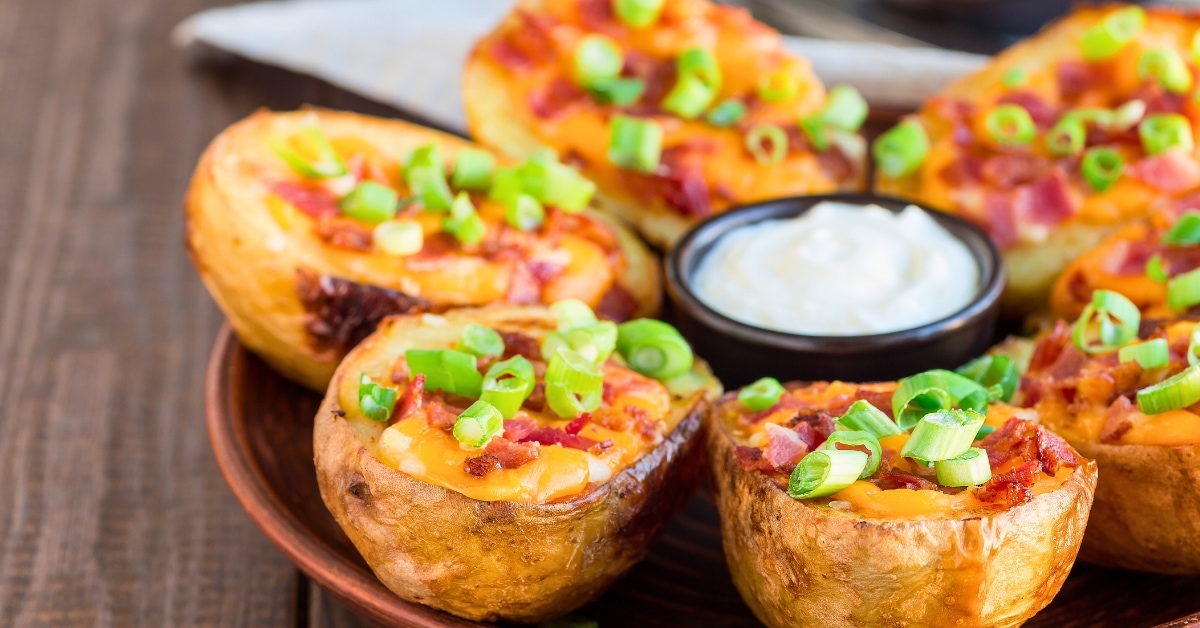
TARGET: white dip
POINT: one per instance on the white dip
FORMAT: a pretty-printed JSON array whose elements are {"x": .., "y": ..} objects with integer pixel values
[{"x": 839, "y": 270}]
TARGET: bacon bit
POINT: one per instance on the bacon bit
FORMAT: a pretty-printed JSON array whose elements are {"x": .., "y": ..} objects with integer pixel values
[
  {"x": 314, "y": 201},
  {"x": 339, "y": 313},
  {"x": 881, "y": 399},
  {"x": 962, "y": 172},
  {"x": 1054, "y": 452},
  {"x": 617, "y": 304},
  {"x": 536, "y": 400},
  {"x": 1046, "y": 202},
  {"x": 516, "y": 343},
  {"x": 1117, "y": 423},
  {"x": 820, "y": 421},
  {"x": 1048, "y": 349},
  {"x": 1068, "y": 365},
  {"x": 1016, "y": 439},
  {"x": 835, "y": 164},
  {"x": 751, "y": 459},
  {"x": 786, "y": 402},
  {"x": 411, "y": 401},
  {"x": 400, "y": 371},
  {"x": 1157, "y": 99},
  {"x": 999, "y": 217},
  {"x": 1011, "y": 169},
  {"x": 809, "y": 435},
  {"x": 1173, "y": 171},
  {"x": 439, "y": 415},
  {"x": 658, "y": 74},
  {"x": 524, "y": 288},
  {"x": 1043, "y": 113},
  {"x": 511, "y": 455},
  {"x": 509, "y": 56},
  {"x": 577, "y": 424},
  {"x": 527, "y": 43},
  {"x": 1077, "y": 77},
  {"x": 647, "y": 427},
  {"x": 893, "y": 480},
  {"x": 556, "y": 98},
  {"x": 1012, "y": 488},
  {"x": 682, "y": 179},
  {"x": 597, "y": 16},
  {"x": 556, "y": 436},
  {"x": 784, "y": 447},
  {"x": 480, "y": 466},
  {"x": 1128, "y": 258},
  {"x": 344, "y": 233},
  {"x": 517, "y": 429}
]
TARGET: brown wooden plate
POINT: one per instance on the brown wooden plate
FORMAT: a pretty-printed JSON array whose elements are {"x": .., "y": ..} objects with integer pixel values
[{"x": 261, "y": 427}]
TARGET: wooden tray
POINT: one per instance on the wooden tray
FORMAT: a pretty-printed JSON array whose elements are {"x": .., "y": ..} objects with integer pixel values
[{"x": 261, "y": 425}]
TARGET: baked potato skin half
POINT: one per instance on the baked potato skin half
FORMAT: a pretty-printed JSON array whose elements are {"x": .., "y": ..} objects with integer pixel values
[
  {"x": 499, "y": 561},
  {"x": 251, "y": 263},
  {"x": 798, "y": 564}
]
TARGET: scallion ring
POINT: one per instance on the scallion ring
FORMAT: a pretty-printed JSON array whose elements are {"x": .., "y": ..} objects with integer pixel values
[
  {"x": 507, "y": 384},
  {"x": 425, "y": 156},
  {"x": 767, "y": 143},
  {"x": 635, "y": 143},
  {"x": 700, "y": 63},
  {"x": 762, "y": 394},
  {"x": 1106, "y": 39},
  {"x": 638, "y": 13},
  {"x": 993, "y": 370},
  {"x": 524, "y": 212},
  {"x": 1150, "y": 354},
  {"x": 727, "y": 113},
  {"x": 572, "y": 313},
  {"x": 473, "y": 169},
  {"x": 1165, "y": 66},
  {"x": 573, "y": 384},
  {"x": 1164, "y": 131},
  {"x": 1106, "y": 307},
  {"x": 452, "y": 371},
  {"x": 1067, "y": 137},
  {"x": 1185, "y": 231},
  {"x": 863, "y": 417},
  {"x": 971, "y": 468},
  {"x": 943, "y": 435},
  {"x": 617, "y": 91},
  {"x": 480, "y": 341},
  {"x": 375, "y": 401},
  {"x": 1155, "y": 270},
  {"x": 689, "y": 97},
  {"x": 853, "y": 440},
  {"x": 935, "y": 390},
  {"x": 399, "y": 237},
  {"x": 1178, "y": 391},
  {"x": 779, "y": 86},
  {"x": 370, "y": 202},
  {"x": 478, "y": 424},
  {"x": 1010, "y": 125},
  {"x": 464, "y": 222},
  {"x": 901, "y": 150},
  {"x": 1101, "y": 167},
  {"x": 654, "y": 348},
  {"x": 1183, "y": 291},
  {"x": 429, "y": 184},
  {"x": 1193, "y": 351},
  {"x": 824, "y": 472},
  {"x": 845, "y": 108},
  {"x": 597, "y": 57},
  {"x": 309, "y": 153}
]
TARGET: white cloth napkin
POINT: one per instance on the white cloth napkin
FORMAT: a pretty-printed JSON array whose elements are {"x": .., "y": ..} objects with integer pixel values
[{"x": 410, "y": 53}]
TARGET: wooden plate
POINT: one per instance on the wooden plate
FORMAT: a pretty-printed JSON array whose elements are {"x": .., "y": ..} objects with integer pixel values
[{"x": 261, "y": 426}]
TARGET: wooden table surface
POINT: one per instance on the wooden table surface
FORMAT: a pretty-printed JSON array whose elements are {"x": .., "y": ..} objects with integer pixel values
[{"x": 112, "y": 509}]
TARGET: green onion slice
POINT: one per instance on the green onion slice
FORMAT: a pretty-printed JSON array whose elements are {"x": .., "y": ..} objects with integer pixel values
[
  {"x": 1164, "y": 131},
  {"x": 1193, "y": 354},
  {"x": 901, "y": 150},
  {"x": 1101, "y": 167},
  {"x": 452, "y": 371},
  {"x": 616, "y": 91},
  {"x": 309, "y": 153},
  {"x": 689, "y": 97},
  {"x": 507, "y": 183},
  {"x": 943, "y": 435},
  {"x": 569, "y": 404},
  {"x": 597, "y": 57},
  {"x": 1165, "y": 66},
  {"x": 478, "y": 424},
  {"x": 767, "y": 143},
  {"x": 826, "y": 471},
  {"x": 473, "y": 169},
  {"x": 480, "y": 341},
  {"x": 375, "y": 401},
  {"x": 1067, "y": 137},
  {"x": 852, "y": 440},
  {"x": 1010, "y": 125},
  {"x": 779, "y": 86},
  {"x": 727, "y": 113},
  {"x": 1149, "y": 355},
  {"x": 861, "y": 416},
  {"x": 972, "y": 468},
  {"x": 1178, "y": 391},
  {"x": 993, "y": 370},
  {"x": 399, "y": 237},
  {"x": 1185, "y": 231},
  {"x": 464, "y": 222},
  {"x": 634, "y": 143},
  {"x": 595, "y": 342},
  {"x": 1107, "y": 38},
  {"x": 370, "y": 202},
  {"x": 762, "y": 394},
  {"x": 574, "y": 384},
  {"x": 553, "y": 183},
  {"x": 1183, "y": 291},
  {"x": 1155, "y": 270},
  {"x": 524, "y": 212},
  {"x": 844, "y": 109},
  {"x": 638, "y": 13},
  {"x": 572, "y": 313},
  {"x": 425, "y": 156},
  {"x": 1015, "y": 78},
  {"x": 654, "y": 348},
  {"x": 934, "y": 391},
  {"x": 816, "y": 131},
  {"x": 1107, "y": 306},
  {"x": 702, "y": 64},
  {"x": 508, "y": 384},
  {"x": 429, "y": 184}
]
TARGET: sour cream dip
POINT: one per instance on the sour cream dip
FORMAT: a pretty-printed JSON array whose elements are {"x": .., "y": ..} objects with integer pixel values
[{"x": 839, "y": 270}]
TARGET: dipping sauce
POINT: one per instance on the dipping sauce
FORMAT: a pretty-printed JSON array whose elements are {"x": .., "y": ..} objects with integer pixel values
[{"x": 839, "y": 270}]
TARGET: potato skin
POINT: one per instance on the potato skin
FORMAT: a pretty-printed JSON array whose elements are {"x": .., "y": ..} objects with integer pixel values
[
  {"x": 249, "y": 262},
  {"x": 800, "y": 565},
  {"x": 499, "y": 561},
  {"x": 1146, "y": 515}
]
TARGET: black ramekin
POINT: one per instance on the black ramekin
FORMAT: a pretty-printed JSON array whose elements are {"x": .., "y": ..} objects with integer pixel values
[{"x": 741, "y": 353}]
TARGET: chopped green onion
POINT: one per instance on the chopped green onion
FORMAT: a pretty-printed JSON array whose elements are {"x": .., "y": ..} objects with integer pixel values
[
  {"x": 573, "y": 384},
  {"x": 617, "y": 91},
  {"x": 524, "y": 212},
  {"x": 689, "y": 98},
  {"x": 478, "y": 424},
  {"x": 1015, "y": 78},
  {"x": 654, "y": 348},
  {"x": 1183, "y": 291},
  {"x": 638, "y": 13},
  {"x": 853, "y": 440},
  {"x": 507, "y": 183},
  {"x": 1101, "y": 167},
  {"x": 480, "y": 341},
  {"x": 429, "y": 184},
  {"x": 1149, "y": 355},
  {"x": 309, "y": 153},
  {"x": 984, "y": 432},
  {"x": 727, "y": 113},
  {"x": 507, "y": 384},
  {"x": 767, "y": 143},
  {"x": 370, "y": 202},
  {"x": 702, "y": 64},
  {"x": 1107, "y": 38},
  {"x": 1067, "y": 137},
  {"x": 464, "y": 222},
  {"x": 1011, "y": 125},
  {"x": 816, "y": 131},
  {"x": 375, "y": 401},
  {"x": 844, "y": 109},
  {"x": 1155, "y": 270},
  {"x": 1193, "y": 353},
  {"x": 762, "y": 394},
  {"x": 572, "y": 313},
  {"x": 972, "y": 468},
  {"x": 1178, "y": 391},
  {"x": 599, "y": 338},
  {"x": 399, "y": 237},
  {"x": 425, "y": 156},
  {"x": 901, "y": 150},
  {"x": 1107, "y": 305},
  {"x": 861, "y": 416},
  {"x": 553, "y": 183},
  {"x": 569, "y": 404},
  {"x": 445, "y": 369},
  {"x": 473, "y": 169},
  {"x": 776, "y": 87},
  {"x": 824, "y": 472},
  {"x": 993, "y": 370},
  {"x": 1102, "y": 118},
  {"x": 1185, "y": 231},
  {"x": 634, "y": 143},
  {"x": 943, "y": 435},
  {"x": 1167, "y": 68},
  {"x": 1164, "y": 131},
  {"x": 935, "y": 390},
  {"x": 597, "y": 57}
]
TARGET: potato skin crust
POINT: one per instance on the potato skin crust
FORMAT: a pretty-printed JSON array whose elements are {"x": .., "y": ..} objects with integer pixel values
[
  {"x": 499, "y": 561},
  {"x": 1146, "y": 515},
  {"x": 799, "y": 565},
  {"x": 249, "y": 262}
]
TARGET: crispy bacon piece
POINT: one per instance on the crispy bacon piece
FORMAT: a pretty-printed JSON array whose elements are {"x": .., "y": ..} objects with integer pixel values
[
  {"x": 682, "y": 180},
  {"x": 511, "y": 455},
  {"x": 340, "y": 313},
  {"x": 999, "y": 218},
  {"x": 617, "y": 304},
  {"x": 821, "y": 422},
  {"x": 881, "y": 399},
  {"x": 577, "y": 424},
  {"x": 556, "y": 98},
  {"x": 517, "y": 429},
  {"x": 1117, "y": 422},
  {"x": 524, "y": 287},
  {"x": 528, "y": 44},
  {"x": 1048, "y": 349},
  {"x": 1012, "y": 169},
  {"x": 516, "y": 343},
  {"x": 894, "y": 480},
  {"x": 964, "y": 171},
  {"x": 809, "y": 435},
  {"x": 784, "y": 447},
  {"x": 1045, "y": 202},
  {"x": 1012, "y": 488},
  {"x": 1157, "y": 99},
  {"x": 752, "y": 459},
  {"x": 597, "y": 16},
  {"x": 439, "y": 415},
  {"x": 640, "y": 416},
  {"x": 314, "y": 201},
  {"x": 480, "y": 466},
  {"x": 411, "y": 401},
  {"x": 344, "y": 233},
  {"x": 1172, "y": 171},
  {"x": 1053, "y": 452},
  {"x": 1017, "y": 438},
  {"x": 1075, "y": 77}
]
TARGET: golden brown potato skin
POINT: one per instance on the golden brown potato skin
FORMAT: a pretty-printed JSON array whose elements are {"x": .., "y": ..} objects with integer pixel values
[
  {"x": 1147, "y": 510},
  {"x": 797, "y": 564},
  {"x": 249, "y": 262},
  {"x": 499, "y": 561}
]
